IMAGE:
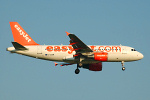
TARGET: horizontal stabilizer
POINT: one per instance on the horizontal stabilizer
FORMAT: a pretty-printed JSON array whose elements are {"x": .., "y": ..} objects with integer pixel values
[{"x": 18, "y": 46}]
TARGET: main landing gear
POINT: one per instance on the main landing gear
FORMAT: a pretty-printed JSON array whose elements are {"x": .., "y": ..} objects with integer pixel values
[
  {"x": 123, "y": 68},
  {"x": 77, "y": 71}
]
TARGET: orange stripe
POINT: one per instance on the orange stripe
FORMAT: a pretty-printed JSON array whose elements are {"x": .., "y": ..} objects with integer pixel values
[
  {"x": 77, "y": 49},
  {"x": 73, "y": 43}
]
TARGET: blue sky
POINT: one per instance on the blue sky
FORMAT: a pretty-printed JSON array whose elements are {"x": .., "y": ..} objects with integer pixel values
[{"x": 99, "y": 22}]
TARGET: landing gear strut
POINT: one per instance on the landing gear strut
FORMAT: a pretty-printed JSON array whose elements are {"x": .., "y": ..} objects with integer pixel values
[
  {"x": 123, "y": 68},
  {"x": 80, "y": 62},
  {"x": 79, "y": 65}
]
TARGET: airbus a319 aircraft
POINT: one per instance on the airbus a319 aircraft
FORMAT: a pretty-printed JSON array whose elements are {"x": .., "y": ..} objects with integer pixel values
[{"x": 85, "y": 56}]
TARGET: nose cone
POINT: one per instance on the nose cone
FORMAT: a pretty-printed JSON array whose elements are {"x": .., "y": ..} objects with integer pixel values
[{"x": 141, "y": 56}]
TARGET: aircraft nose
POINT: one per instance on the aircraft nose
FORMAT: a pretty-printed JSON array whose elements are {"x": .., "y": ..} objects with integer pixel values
[{"x": 141, "y": 56}]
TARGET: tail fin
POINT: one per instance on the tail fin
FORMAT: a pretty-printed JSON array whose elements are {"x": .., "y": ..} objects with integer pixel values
[{"x": 20, "y": 35}]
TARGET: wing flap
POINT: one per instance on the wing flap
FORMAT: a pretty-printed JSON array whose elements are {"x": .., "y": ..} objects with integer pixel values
[{"x": 63, "y": 64}]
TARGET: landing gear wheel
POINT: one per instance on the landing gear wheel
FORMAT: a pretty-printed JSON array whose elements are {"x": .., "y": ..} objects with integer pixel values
[
  {"x": 77, "y": 71},
  {"x": 123, "y": 68},
  {"x": 80, "y": 64}
]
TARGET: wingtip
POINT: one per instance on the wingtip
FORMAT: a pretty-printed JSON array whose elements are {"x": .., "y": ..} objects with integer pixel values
[{"x": 67, "y": 33}]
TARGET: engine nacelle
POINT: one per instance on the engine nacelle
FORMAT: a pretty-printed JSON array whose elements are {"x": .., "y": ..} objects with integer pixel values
[
  {"x": 93, "y": 67},
  {"x": 101, "y": 56}
]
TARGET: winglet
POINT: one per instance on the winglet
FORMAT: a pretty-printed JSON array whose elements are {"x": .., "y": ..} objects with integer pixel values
[
  {"x": 67, "y": 33},
  {"x": 56, "y": 63}
]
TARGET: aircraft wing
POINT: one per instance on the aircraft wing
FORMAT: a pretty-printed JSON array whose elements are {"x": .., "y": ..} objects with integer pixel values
[{"x": 77, "y": 44}]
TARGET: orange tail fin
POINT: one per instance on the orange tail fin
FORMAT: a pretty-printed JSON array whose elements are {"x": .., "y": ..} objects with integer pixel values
[{"x": 20, "y": 35}]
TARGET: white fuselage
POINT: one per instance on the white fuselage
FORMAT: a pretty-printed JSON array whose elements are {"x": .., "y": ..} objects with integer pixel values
[{"x": 64, "y": 53}]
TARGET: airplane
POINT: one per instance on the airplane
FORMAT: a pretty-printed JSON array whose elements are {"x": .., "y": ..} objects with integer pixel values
[{"x": 85, "y": 56}]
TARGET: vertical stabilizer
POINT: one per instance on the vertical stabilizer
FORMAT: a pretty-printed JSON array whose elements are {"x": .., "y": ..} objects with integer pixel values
[{"x": 20, "y": 35}]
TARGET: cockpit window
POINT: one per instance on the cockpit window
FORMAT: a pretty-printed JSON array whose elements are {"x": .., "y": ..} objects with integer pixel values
[{"x": 133, "y": 50}]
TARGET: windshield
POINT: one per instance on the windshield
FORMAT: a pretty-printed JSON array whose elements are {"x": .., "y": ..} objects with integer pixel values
[{"x": 133, "y": 50}]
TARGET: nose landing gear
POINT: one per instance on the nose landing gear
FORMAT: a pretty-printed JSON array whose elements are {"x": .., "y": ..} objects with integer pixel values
[{"x": 123, "y": 68}]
